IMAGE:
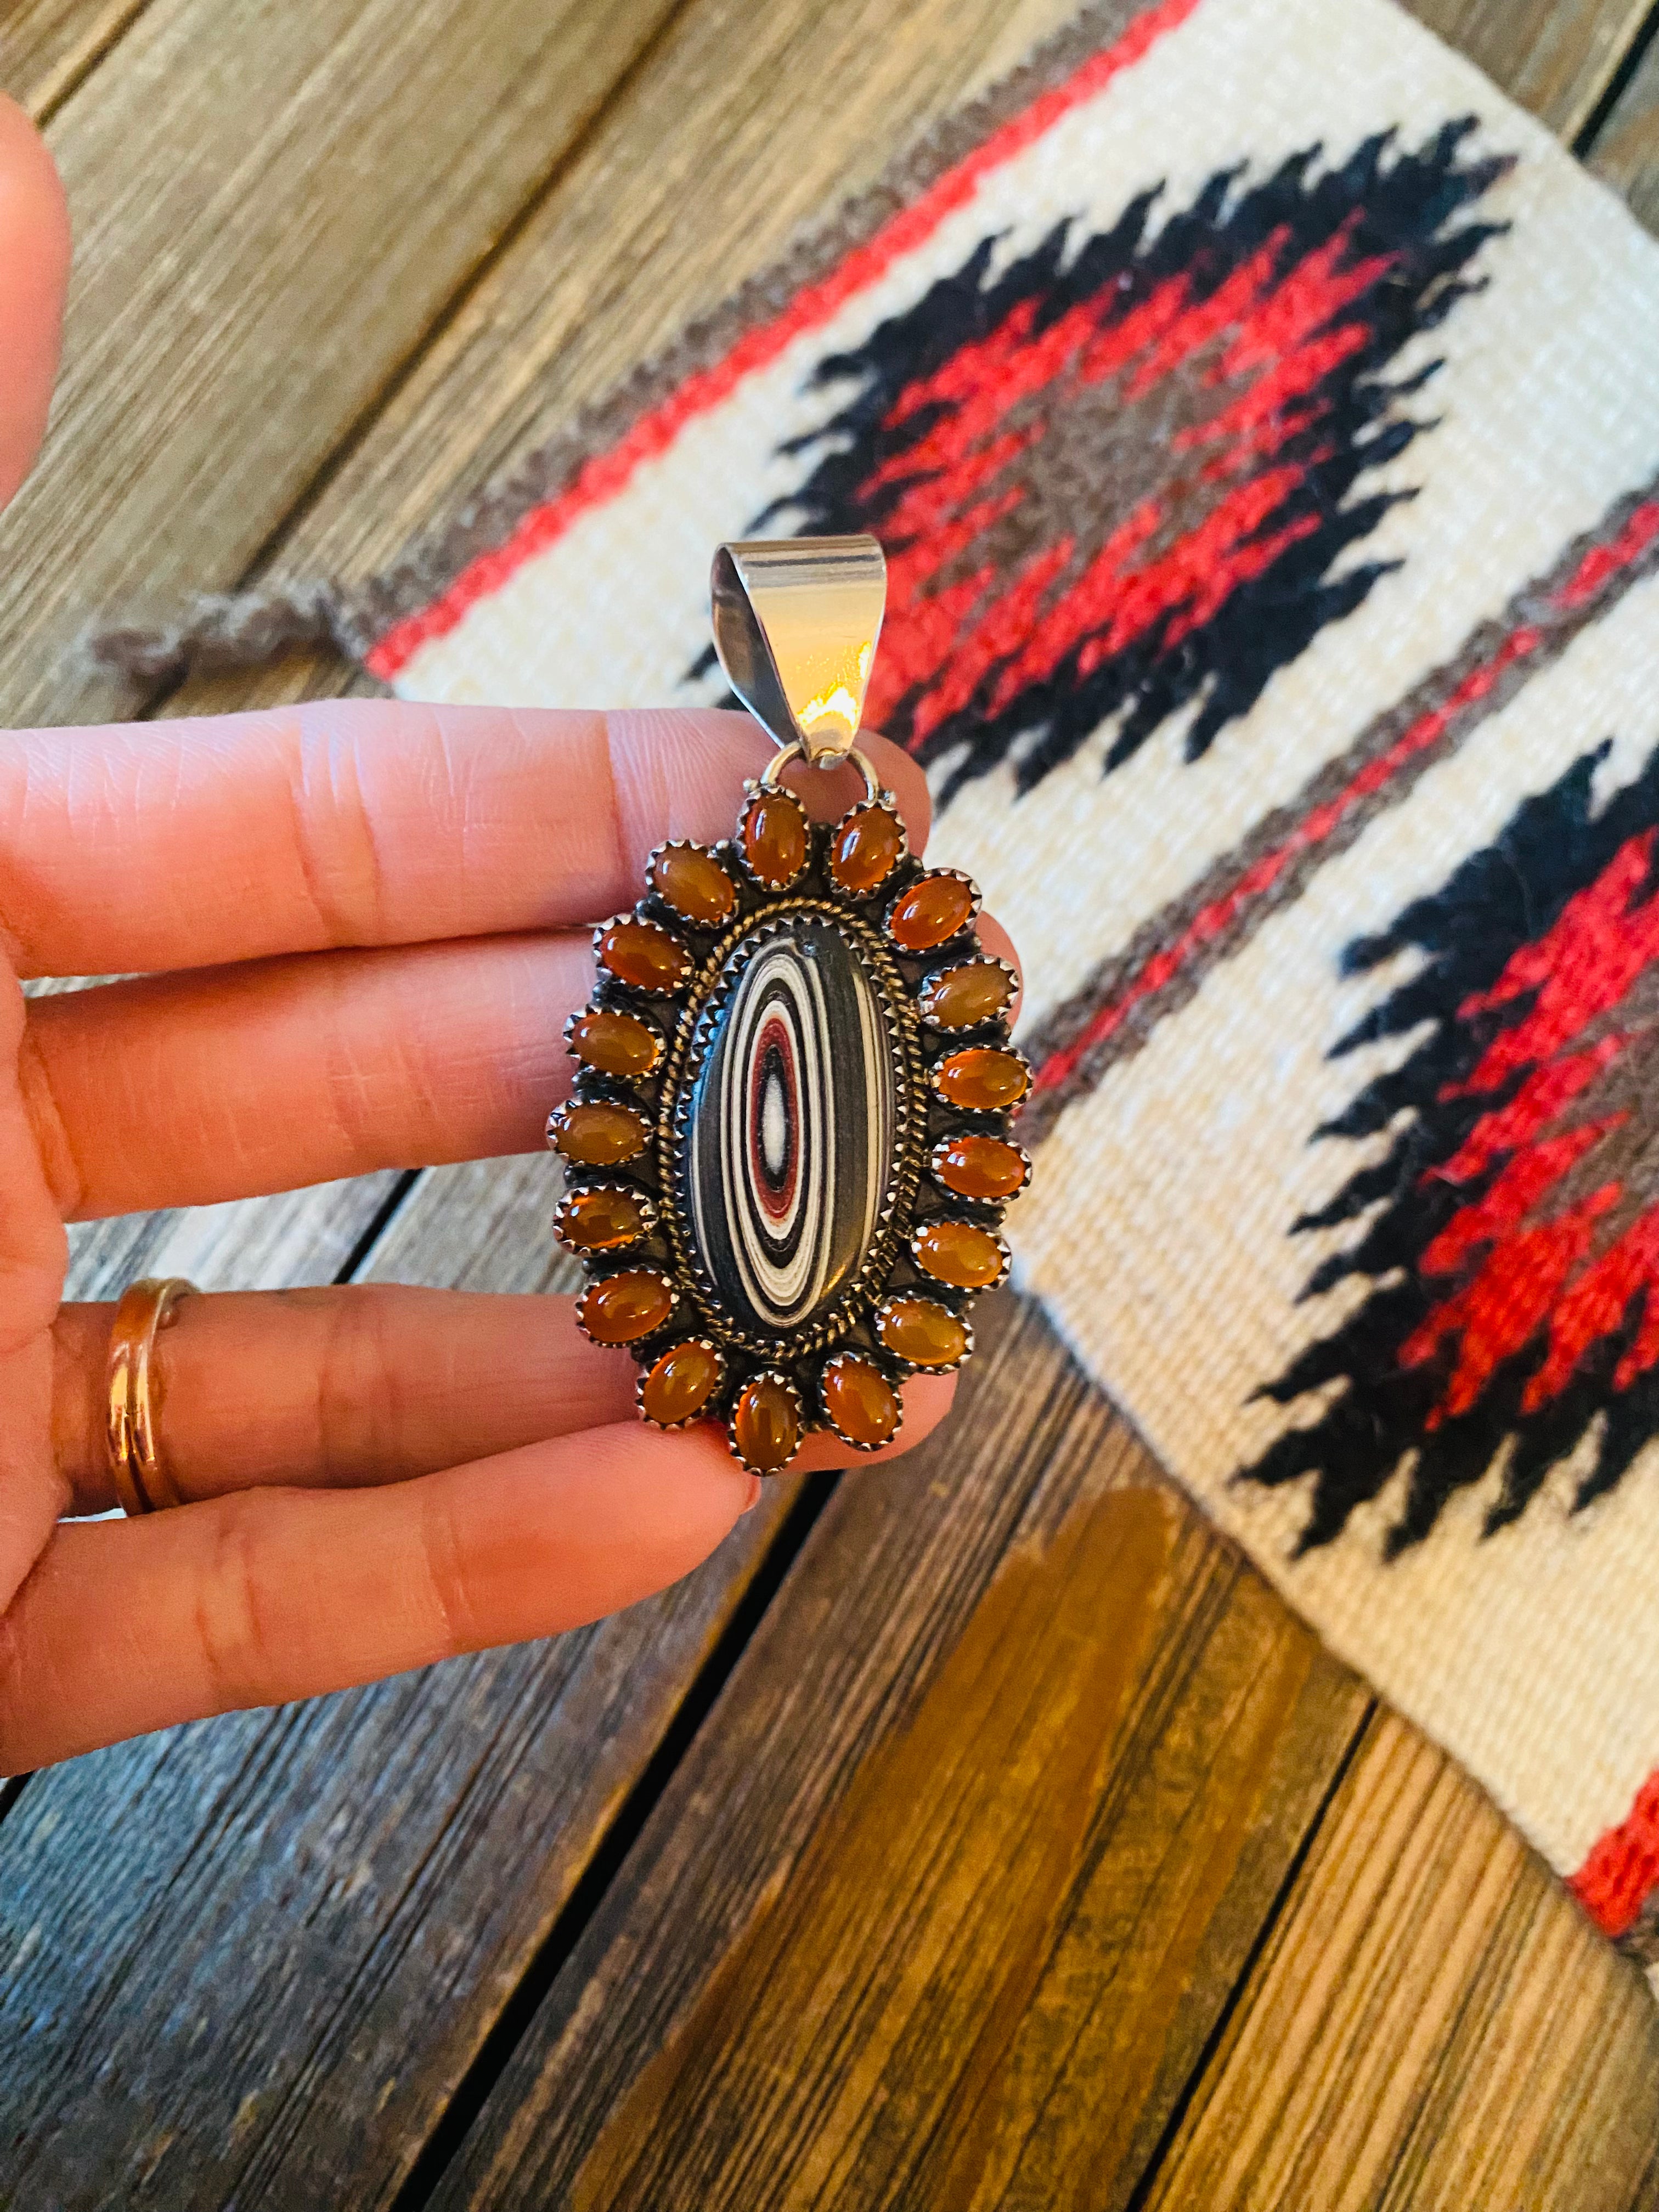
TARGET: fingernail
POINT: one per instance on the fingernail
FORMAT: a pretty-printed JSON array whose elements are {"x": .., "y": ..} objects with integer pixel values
[{"x": 754, "y": 1495}]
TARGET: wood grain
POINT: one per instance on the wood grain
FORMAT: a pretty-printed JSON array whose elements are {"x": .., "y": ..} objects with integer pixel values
[
  {"x": 1557, "y": 57},
  {"x": 268, "y": 1991},
  {"x": 611, "y": 263},
  {"x": 1431, "y": 2026},
  {"x": 338, "y": 170},
  {"x": 1626, "y": 153},
  {"x": 298, "y": 1236},
  {"x": 973, "y": 1846},
  {"x": 49, "y": 46}
]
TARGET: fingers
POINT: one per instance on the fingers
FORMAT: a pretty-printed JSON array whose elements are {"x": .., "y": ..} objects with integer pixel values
[
  {"x": 34, "y": 246},
  {"x": 184, "y": 1089},
  {"x": 996, "y": 943},
  {"x": 188, "y": 1090},
  {"x": 125, "y": 1626},
  {"x": 363, "y": 1385},
  {"x": 356, "y": 822}
]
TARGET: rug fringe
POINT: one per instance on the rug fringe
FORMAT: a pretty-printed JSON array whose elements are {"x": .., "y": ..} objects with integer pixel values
[{"x": 229, "y": 629}]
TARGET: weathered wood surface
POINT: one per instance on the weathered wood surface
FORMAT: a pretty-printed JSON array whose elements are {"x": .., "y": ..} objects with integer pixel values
[
  {"x": 319, "y": 1912},
  {"x": 1627, "y": 152},
  {"x": 1428, "y": 2029},
  {"x": 341, "y": 169},
  {"x": 326, "y": 1917},
  {"x": 1557, "y": 57},
  {"x": 48, "y": 46},
  {"x": 968, "y": 1886}
]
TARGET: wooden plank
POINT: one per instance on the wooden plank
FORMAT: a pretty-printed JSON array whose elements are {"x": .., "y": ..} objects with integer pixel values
[
  {"x": 1431, "y": 2026},
  {"x": 264, "y": 1984},
  {"x": 941, "y": 1907},
  {"x": 48, "y": 46},
  {"x": 295, "y": 1237},
  {"x": 611, "y": 265},
  {"x": 1626, "y": 154},
  {"x": 272, "y": 210},
  {"x": 1557, "y": 57},
  {"x": 239, "y": 1819},
  {"x": 321, "y": 1911}
]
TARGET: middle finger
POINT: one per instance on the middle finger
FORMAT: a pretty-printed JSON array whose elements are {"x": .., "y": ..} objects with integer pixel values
[{"x": 189, "y": 1089}]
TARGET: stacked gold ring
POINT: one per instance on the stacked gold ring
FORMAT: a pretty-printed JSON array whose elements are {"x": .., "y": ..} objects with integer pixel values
[{"x": 142, "y": 1480}]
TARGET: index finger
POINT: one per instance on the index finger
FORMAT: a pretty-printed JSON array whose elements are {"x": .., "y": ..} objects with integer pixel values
[{"x": 356, "y": 821}]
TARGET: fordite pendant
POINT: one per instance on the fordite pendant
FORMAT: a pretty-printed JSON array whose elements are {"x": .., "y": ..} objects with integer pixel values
[{"x": 786, "y": 1154}]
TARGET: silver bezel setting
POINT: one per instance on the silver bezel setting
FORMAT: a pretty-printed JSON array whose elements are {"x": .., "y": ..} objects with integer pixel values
[
  {"x": 884, "y": 1365},
  {"x": 985, "y": 1205},
  {"x": 572, "y": 1191},
  {"x": 633, "y": 1014},
  {"x": 597, "y": 1280},
  {"x": 928, "y": 1293},
  {"x": 929, "y": 875},
  {"x": 678, "y": 1338},
  {"x": 961, "y": 1221},
  {"x": 969, "y": 956},
  {"x": 883, "y": 803},
  {"x": 708, "y": 852}
]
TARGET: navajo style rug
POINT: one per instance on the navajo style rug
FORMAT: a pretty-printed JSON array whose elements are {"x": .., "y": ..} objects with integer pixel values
[{"x": 1261, "y": 419}]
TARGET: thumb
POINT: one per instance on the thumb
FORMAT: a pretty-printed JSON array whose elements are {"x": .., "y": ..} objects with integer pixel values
[{"x": 35, "y": 251}]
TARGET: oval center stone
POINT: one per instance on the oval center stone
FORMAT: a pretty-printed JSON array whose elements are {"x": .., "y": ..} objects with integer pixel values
[{"x": 789, "y": 1157}]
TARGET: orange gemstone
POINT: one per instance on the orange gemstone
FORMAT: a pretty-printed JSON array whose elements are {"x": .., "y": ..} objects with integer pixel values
[
  {"x": 640, "y": 953},
  {"x": 980, "y": 1167},
  {"x": 963, "y": 998},
  {"x": 695, "y": 884},
  {"x": 765, "y": 1425},
  {"x": 862, "y": 1404},
  {"x": 601, "y": 1220},
  {"x": 866, "y": 849},
  {"x": 926, "y": 1334},
  {"x": 624, "y": 1307},
  {"x": 680, "y": 1384},
  {"x": 933, "y": 908},
  {"x": 982, "y": 1081},
  {"x": 599, "y": 1135},
  {"x": 959, "y": 1252},
  {"x": 614, "y": 1043},
  {"x": 774, "y": 837}
]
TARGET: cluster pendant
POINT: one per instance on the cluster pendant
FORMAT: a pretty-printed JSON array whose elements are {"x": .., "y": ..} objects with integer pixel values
[{"x": 787, "y": 1153}]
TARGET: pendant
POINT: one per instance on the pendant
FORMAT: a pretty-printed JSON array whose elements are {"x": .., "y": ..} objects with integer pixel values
[{"x": 786, "y": 1154}]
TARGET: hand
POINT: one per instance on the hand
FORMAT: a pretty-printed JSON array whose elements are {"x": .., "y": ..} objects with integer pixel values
[{"x": 358, "y": 928}]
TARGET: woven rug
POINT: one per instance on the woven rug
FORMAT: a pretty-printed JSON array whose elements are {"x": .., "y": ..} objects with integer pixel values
[{"x": 1262, "y": 417}]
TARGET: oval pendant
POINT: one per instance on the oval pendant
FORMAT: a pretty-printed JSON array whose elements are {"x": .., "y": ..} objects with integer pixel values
[{"x": 773, "y": 1100}]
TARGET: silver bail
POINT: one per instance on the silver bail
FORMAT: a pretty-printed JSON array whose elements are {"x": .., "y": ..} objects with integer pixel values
[{"x": 796, "y": 621}]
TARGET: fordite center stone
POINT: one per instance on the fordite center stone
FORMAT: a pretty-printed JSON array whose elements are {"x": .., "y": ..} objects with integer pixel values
[
  {"x": 790, "y": 1158},
  {"x": 789, "y": 1152}
]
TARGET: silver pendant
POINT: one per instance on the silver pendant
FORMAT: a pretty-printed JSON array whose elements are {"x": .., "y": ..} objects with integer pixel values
[{"x": 787, "y": 1154}]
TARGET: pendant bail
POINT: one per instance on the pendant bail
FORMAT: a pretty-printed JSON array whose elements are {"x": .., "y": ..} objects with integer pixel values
[{"x": 796, "y": 621}]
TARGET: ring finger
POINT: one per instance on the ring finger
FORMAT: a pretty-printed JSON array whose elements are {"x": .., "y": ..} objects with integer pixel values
[{"x": 361, "y": 1385}]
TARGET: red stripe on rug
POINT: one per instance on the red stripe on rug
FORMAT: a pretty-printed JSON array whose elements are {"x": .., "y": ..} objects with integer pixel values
[
  {"x": 1599, "y": 564},
  {"x": 1622, "y": 1868},
  {"x": 607, "y": 474}
]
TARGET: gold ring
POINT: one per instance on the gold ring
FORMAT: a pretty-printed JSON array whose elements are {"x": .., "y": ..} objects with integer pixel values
[{"x": 141, "y": 1481}]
